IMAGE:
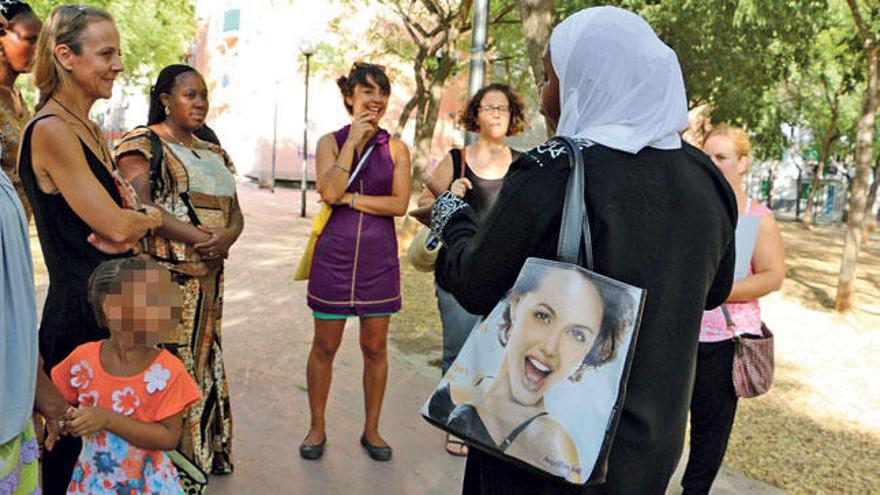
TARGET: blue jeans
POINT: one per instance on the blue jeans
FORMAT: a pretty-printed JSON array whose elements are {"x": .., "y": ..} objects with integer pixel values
[{"x": 457, "y": 325}]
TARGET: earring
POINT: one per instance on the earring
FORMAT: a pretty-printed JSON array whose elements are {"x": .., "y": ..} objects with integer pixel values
[
  {"x": 167, "y": 111},
  {"x": 503, "y": 335}
]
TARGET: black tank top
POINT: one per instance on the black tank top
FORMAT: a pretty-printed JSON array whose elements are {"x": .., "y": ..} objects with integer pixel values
[
  {"x": 67, "y": 317},
  {"x": 485, "y": 191}
]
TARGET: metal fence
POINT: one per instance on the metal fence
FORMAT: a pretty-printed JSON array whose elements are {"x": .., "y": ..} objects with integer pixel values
[{"x": 787, "y": 196}]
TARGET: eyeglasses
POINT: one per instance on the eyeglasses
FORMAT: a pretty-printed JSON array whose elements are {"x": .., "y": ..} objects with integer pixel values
[{"x": 495, "y": 108}]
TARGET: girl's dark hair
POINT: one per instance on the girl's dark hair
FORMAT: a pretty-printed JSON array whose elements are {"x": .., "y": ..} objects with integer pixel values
[
  {"x": 515, "y": 102},
  {"x": 164, "y": 84},
  {"x": 108, "y": 278},
  {"x": 360, "y": 74},
  {"x": 15, "y": 11},
  {"x": 619, "y": 311}
]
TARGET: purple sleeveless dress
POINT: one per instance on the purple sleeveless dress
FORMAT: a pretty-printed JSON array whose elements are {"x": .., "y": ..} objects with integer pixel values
[{"x": 355, "y": 271}]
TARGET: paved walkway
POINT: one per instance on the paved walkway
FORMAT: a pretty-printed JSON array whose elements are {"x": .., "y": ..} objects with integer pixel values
[{"x": 267, "y": 331}]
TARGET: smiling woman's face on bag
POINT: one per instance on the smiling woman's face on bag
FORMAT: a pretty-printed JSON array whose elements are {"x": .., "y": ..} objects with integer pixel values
[{"x": 552, "y": 328}]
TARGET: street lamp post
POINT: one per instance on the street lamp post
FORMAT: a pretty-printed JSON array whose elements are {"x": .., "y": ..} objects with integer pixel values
[
  {"x": 306, "y": 47},
  {"x": 274, "y": 135},
  {"x": 477, "y": 76}
]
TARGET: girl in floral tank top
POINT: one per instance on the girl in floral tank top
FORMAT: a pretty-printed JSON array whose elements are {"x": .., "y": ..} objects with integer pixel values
[
  {"x": 128, "y": 396},
  {"x": 713, "y": 401}
]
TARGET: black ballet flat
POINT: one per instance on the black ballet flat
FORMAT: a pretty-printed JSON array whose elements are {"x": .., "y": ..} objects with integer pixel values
[
  {"x": 376, "y": 453},
  {"x": 312, "y": 452}
]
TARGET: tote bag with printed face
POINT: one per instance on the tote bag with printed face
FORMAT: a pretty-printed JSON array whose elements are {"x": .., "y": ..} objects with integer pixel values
[{"x": 540, "y": 382}]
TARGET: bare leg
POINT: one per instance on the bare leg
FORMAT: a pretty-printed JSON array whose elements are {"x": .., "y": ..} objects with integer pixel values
[
  {"x": 319, "y": 371},
  {"x": 374, "y": 346}
]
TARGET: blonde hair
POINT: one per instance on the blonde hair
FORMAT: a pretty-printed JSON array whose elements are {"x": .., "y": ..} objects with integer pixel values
[
  {"x": 737, "y": 136},
  {"x": 64, "y": 26}
]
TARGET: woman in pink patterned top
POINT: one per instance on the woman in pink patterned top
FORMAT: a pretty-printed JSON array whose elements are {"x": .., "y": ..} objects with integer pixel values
[{"x": 713, "y": 403}]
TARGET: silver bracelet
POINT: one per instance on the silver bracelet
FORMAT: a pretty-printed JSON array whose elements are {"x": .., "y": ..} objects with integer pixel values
[
  {"x": 446, "y": 205},
  {"x": 354, "y": 196}
]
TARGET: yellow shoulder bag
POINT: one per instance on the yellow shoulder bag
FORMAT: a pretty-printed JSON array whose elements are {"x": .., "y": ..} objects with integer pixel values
[{"x": 305, "y": 263}]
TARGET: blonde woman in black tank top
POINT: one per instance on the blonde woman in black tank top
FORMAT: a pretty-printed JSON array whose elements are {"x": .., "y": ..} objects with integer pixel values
[
  {"x": 78, "y": 201},
  {"x": 475, "y": 173}
]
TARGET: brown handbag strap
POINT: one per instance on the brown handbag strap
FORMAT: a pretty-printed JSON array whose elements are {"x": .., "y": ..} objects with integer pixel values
[
  {"x": 730, "y": 326},
  {"x": 463, "y": 161},
  {"x": 728, "y": 319}
]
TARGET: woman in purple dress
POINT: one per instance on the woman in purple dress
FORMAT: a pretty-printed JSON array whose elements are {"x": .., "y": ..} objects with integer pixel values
[{"x": 365, "y": 175}]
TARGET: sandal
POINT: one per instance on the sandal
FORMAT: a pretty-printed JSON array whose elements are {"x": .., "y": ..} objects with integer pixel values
[{"x": 456, "y": 446}]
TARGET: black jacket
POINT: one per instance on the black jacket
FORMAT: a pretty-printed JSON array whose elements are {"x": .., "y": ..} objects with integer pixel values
[{"x": 662, "y": 220}]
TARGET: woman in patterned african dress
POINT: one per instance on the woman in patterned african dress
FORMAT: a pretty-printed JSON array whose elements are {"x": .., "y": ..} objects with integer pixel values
[{"x": 194, "y": 185}]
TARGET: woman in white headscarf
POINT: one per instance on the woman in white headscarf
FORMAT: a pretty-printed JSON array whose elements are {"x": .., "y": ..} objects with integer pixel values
[{"x": 661, "y": 215}]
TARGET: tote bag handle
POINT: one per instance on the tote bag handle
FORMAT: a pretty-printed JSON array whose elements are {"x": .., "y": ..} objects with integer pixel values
[{"x": 575, "y": 227}]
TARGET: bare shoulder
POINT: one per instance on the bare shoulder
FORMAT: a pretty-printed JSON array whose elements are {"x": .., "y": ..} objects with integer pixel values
[
  {"x": 550, "y": 426},
  {"x": 53, "y": 134},
  {"x": 398, "y": 146},
  {"x": 547, "y": 427},
  {"x": 399, "y": 150},
  {"x": 445, "y": 162},
  {"x": 562, "y": 447},
  {"x": 328, "y": 142},
  {"x": 769, "y": 220}
]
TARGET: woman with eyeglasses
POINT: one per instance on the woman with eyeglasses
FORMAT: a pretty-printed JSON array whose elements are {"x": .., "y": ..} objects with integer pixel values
[
  {"x": 364, "y": 174},
  {"x": 475, "y": 174},
  {"x": 18, "y": 41}
]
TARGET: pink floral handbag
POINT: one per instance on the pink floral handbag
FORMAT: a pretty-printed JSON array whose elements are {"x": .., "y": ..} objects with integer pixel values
[{"x": 752, "y": 360}]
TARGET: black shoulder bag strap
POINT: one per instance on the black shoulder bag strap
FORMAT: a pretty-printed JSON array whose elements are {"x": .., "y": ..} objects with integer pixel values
[
  {"x": 157, "y": 150},
  {"x": 575, "y": 227},
  {"x": 156, "y": 153}
]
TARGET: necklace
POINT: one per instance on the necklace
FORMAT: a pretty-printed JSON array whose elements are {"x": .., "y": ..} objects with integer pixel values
[
  {"x": 179, "y": 141},
  {"x": 88, "y": 129}
]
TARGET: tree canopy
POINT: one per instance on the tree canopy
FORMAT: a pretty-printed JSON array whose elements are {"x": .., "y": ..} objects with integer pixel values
[{"x": 154, "y": 33}]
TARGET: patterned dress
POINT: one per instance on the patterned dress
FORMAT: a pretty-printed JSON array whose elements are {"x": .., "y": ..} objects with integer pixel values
[
  {"x": 355, "y": 271},
  {"x": 19, "y": 464},
  {"x": 12, "y": 122},
  {"x": 195, "y": 185},
  {"x": 108, "y": 464}
]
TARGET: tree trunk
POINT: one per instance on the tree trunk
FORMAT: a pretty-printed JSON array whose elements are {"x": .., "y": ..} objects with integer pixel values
[
  {"x": 425, "y": 126},
  {"x": 827, "y": 139},
  {"x": 411, "y": 105},
  {"x": 537, "y": 21},
  {"x": 859, "y": 194},
  {"x": 426, "y": 123},
  {"x": 870, "y": 223}
]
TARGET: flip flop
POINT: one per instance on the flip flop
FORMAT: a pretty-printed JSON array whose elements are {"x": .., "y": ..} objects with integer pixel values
[{"x": 462, "y": 448}]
